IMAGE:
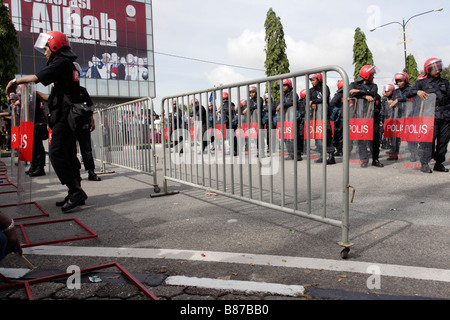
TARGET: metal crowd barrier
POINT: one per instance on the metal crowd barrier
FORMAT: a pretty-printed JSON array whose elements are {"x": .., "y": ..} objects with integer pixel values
[
  {"x": 202, "y": 156},
  {"x": 125, "y": 137}
]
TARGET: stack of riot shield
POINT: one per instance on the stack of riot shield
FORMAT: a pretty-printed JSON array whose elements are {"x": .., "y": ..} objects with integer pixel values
[
  {"x": 412, "y": 125},
  {"x": 408, "y": 130}
]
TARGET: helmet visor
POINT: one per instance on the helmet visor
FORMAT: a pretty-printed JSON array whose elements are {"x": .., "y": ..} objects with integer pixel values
[
  {"x": 41, "y": 42},
  {"x": 435, "y": 65}
]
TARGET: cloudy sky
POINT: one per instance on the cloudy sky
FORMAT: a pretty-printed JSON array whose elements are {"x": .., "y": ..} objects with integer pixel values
[{"x": 230, "y": 34}]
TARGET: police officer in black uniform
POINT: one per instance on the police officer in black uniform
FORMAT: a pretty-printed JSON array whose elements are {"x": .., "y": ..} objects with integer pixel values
[
  {"x": 61, "y": 72},
  {"x": 336, "y": 115},
  {"x": 40, "y": 135},
  {"x": 83, "y": 135},
  {"x": 288, "y": 102},
  {"x": 365, "y": 88},
  {"x": 433, "y": 83},
  {"x": 225, "y": 119},
  {"x": 200, "y": 115},
  {"x": 316, "y": 95},
  {"x": 400, "y": 95}
]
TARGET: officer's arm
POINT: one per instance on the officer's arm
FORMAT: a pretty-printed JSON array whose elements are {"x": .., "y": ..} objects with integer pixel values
[
  {"x": 43, "y": 96},
  {"x": 12, "y": 85}
]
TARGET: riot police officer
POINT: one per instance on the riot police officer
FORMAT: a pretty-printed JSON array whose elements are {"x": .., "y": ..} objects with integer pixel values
[
  {"x": 400, "y": 95},
  {"x": 433, "y": 83},
  {"x": 336, "y": 115},
  {"x": 365, "y": 88},
  {"x": 61, "y": 72},
  {"x": 289, "y": 97},
  {"x": 316, "y": 94}
]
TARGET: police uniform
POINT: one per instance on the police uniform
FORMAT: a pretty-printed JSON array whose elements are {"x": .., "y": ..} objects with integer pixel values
[
  {"x": 40, "y": 134},
  {"x": 83, "y": 135},
  {"x": 336, "y": 115},
  {"x": 316, "y": 96},
  {"x": 370, "y": 89},
  {"x": 441, "y": 134}
]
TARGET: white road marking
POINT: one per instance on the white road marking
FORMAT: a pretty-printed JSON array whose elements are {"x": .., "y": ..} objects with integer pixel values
[
  {"x": 236, "y": 285},
  {"x": 410, "y": 272},
  {"x": 14, "y": 273}
]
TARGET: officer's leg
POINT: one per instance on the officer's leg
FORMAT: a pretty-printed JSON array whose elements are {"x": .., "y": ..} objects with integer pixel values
[
  {"x": 442, "y": 140},
  {"x": 64, "y": 159},
  {"x": 38, "y": 163},
  {"x": 84, "y": 141},
  {"x": 60, "y": 151}
]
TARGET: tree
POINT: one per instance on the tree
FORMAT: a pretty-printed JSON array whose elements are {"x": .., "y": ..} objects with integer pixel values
[
  {"x": 361, "y": 52},
  {"x": 276, "y": 59},
  {"x": 445, "y": 74},
  {"x": 8, "y": 54},
  {"x": 411, "y": 68}
]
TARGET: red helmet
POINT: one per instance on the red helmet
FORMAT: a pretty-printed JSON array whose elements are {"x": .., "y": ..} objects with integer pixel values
[
  {"x": 317, "y": 76},
  {"x": 225, "y": 96},
  {"x": 366, "y": 71},
  {"x": 387, "y": 88},
  {"x": 340, "y": 84},
  {"x": 243, "y": 103},
  {"x": 303, "y": 94},
  {"x": 192, "y": 101},
  {"x": 287, "y": 82},
  {"x": 13, "y": 96},
  {"x": 56, "y": 42},
  {"x": 401, "y": 76},
  {"x": 253, "y": 88},
  {"x": 432, "y": 64}
]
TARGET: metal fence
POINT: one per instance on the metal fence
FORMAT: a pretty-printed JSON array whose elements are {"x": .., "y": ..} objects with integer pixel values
[
  {"x": 227, "y": 156},
  {"x": 126, "y": 137}
]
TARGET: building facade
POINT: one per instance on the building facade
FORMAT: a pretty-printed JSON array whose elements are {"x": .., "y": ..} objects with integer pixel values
[{"x": 112, "y": 38}]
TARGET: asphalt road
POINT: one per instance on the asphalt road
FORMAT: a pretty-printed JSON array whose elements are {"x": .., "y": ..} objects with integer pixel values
[{"x": 399, "y": 228}]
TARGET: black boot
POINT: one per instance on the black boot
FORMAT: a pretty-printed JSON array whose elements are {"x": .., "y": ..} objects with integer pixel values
[
  {"x": 93, "y": 176},
  {"x": 76, "y": 196},
  {"x": 425, "y": 168},
  {"x": 30, "y": 170},
  {"x": 330, "y": 159},
  {"x": 377, "y": 163},
  {"x": 39, "y": 171},
  {"x": 63, "y": 202},
  {"x": 438, "y": 166}
]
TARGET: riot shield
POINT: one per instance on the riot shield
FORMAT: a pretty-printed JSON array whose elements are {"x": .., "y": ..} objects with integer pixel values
[
  {"x": 361, "y": 130},
  {"x": 316, "y": 129},
  {"x": 26, "y": 130},
  {"x": 15, "y": 134},
  {"x": 418, "y": 130},
  {"x": 287, "y": 127},
  {"x": 393, "y": 128}
]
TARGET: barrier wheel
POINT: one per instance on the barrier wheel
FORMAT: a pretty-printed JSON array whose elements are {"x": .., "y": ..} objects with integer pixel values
[
  {"x": 344, "y": 253},
  {"x": 157, "y": 189}
]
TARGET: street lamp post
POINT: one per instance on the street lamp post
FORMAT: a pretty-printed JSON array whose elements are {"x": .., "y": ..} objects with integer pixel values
[{"x": 403, "y": 24}]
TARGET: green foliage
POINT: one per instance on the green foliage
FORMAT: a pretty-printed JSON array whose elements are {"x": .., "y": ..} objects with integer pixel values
[
  {"x": 446, "y": 73},
  {"x": 411, "y": 68},
  {"x": 8, "y": 50},
  {"x": 277, "y": 61},
  {"x": 361, "y": 52}
]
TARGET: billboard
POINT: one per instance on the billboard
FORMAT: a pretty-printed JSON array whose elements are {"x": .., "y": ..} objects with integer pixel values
[{"x": 112, "y": 38}]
